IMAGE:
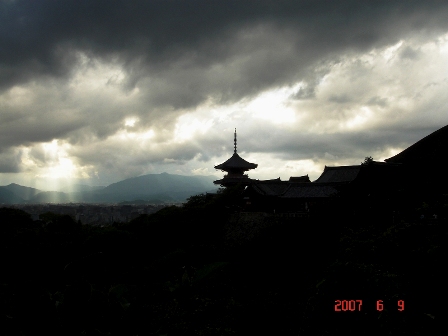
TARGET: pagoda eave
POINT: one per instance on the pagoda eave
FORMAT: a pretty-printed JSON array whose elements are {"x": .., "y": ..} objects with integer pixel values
[
  {"x": 234, "y": 181},
  {"x": 236, "y": 162}
]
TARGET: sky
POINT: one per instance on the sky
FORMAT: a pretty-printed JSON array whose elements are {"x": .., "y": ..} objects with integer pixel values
[{"x": 93, "y": 92}]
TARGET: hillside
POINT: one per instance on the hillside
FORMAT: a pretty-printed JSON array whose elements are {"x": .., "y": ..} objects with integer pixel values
[
  {"x": 8, "y": 197},
  {"x": 147, "y": 188},
  {"x": 79, "y": 188},
  {"x": 50, "y": 197},
  {"x": 23, "y": 192},
  {"x": 162, "y": 185}
]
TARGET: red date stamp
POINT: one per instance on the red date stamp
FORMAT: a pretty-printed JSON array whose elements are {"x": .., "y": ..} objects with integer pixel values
[{"x": 356, "y": 305}]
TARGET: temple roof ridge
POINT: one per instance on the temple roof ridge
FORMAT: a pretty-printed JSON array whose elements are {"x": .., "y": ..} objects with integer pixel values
[
  {"x": 236, "y": 161},
  {"x": 235, "y": 167}
]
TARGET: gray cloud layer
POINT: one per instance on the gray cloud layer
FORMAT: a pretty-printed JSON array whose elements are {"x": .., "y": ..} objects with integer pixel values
[{"x": 194, "y": 44}]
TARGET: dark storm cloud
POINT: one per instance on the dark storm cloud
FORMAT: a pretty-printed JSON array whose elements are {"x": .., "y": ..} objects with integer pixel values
[
  {"x": 10, "y": 161},
  {"x": 33, "y": 129},
  {"x": 36, "y": 115},
  {"x": 181, "y": 45}
]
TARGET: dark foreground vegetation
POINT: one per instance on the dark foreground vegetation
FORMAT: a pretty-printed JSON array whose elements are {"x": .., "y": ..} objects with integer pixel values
[{"x": 182, "y": 271}]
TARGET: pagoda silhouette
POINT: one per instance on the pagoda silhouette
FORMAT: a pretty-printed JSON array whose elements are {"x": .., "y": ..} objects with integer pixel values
[{"x": 235, "y": 168}]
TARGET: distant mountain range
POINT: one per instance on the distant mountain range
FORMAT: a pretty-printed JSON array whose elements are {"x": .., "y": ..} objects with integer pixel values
[
  {"x": 21, "y": 191},
  {"x": 151, "y": 188}
]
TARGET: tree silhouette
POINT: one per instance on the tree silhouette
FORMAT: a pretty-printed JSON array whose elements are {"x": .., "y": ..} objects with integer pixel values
[{"x": 367, "y": 160}]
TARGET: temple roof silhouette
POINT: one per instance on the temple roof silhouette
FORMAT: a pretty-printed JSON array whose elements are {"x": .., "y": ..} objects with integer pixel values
[
  {"x": 432, "y": 148},
  {"x": 238, "y": 162},
  {"x": 299, "y": 179},
  {"x": 270, "y": 188},
  {"x": 338, "y": 174}
]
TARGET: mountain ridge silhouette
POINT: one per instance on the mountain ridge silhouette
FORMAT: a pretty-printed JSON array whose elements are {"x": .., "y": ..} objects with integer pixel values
[{"x": 163, "y": 186}]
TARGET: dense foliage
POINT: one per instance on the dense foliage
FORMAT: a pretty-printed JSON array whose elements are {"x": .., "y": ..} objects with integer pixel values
[{"x": 176, "y": 273}]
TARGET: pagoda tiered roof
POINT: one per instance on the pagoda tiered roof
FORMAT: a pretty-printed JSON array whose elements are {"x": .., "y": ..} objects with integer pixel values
[
  {"x": 235, "y": 168},
  {"x": 236, "y": 162}
]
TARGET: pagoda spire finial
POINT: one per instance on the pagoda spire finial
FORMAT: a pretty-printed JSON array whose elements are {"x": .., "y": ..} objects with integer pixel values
[{"x": 234, "y": 141}]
